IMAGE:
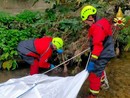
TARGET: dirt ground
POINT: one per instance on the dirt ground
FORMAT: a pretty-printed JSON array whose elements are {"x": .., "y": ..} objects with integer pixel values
[{"x": 118, "y": 73}]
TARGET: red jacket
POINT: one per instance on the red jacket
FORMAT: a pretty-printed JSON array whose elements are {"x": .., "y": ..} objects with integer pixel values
[
  {"x": 43, "y": 48},
  {"x": 98, "y": 32}
]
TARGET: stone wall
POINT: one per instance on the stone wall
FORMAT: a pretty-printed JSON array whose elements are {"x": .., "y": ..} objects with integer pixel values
[{"x": 16, "y": 6}]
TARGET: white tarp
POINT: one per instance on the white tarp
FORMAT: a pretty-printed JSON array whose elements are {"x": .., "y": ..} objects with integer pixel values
[{"x": 43, "y": 86}]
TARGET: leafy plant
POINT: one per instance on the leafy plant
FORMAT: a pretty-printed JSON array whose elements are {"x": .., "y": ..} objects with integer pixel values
[
  {"x": 124, "y": 34},
  {"x": 28, "y": 16},
  {"x": 10, "y": 65},
  {"x": 50, "y": 14},
  {"x": 13, "y": 30}
]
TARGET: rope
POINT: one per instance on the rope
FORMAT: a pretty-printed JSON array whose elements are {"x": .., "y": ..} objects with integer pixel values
[
  {"x": 38, "y": 82},
  {"x": 60, "y": 65},
  {"x": 67, "y": 60}
]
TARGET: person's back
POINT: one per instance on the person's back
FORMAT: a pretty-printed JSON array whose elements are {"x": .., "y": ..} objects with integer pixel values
[
  {"x": 105, "y": 25},
  {"x": 101, "y": 30},
  {"x": 41, "y": 44}
]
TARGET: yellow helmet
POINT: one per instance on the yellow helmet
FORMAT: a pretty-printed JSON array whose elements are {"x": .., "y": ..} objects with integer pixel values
[
  {"x": 58, "y": 42},
  {"x": 86, "y": 11}
]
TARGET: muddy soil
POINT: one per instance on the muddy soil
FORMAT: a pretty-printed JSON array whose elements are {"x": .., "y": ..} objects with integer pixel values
[{"x": 118, "y": 73}]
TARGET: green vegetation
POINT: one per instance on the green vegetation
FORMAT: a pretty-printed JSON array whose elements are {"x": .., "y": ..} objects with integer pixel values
[
  {"x": 31, "y": 24},
  {"x": 12, "y": 30},
  {"x": 60, "y": 20},
  {"x": 124, "y": 34}
]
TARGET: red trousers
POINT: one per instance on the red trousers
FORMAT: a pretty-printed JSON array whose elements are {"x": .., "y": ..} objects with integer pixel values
[
  {"x": 34, "y": 68},
  {"x": 95, "y": 82}
]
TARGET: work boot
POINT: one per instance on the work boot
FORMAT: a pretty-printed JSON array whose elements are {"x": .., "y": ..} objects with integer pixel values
[
  {"x": 104, "y": 81},
  {"x": 104, "y": 85}
]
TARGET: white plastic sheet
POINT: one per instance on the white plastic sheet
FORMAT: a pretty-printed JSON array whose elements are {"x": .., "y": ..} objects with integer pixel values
[{"x": 43, "y": 86}]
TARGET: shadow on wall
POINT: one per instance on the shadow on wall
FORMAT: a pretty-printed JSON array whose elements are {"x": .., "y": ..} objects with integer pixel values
[{"x": 16, "y": 6}]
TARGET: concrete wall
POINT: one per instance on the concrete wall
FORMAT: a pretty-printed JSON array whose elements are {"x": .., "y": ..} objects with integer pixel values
[{"x": 16, "y": 6}]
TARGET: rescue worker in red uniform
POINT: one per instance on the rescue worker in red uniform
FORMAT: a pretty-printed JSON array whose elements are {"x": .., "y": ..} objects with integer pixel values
[
  {"x": 37, "y": 51},
  {"x": 102, "y": 48}
]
